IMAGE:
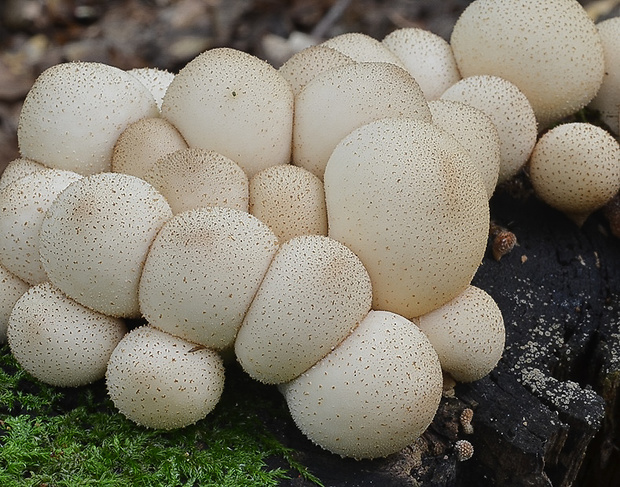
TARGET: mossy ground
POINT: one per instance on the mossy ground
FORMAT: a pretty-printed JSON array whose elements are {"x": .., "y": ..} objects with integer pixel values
[{"x": 65, "y": 437}]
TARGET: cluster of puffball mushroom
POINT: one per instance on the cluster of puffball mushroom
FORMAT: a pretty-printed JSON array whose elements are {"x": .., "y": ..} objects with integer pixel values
[{"x": 320, "y": 223}]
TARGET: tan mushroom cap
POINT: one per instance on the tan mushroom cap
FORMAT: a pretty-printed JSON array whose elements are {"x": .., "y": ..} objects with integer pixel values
[
  {"x": 161, "y": 381},
  {"x": 235, "y": 104},
  {"x": 11, "y": 289},
  {"x": 156, "y": 80},
  {"x": 374, "y": 394},
  {"x": 408, "y": 200},
  {"x": 575, "y": 168},
  {"x": 74, "y": 113},
  {"x": 142, "y": 143},
  {"x": 343, "y": 99},
  {"x": 362, "y": 48},
  {"x": 314, "y": 294},
  {"x": 467, "y": 333},
  {"x": 550, "y": 49},
  {"x": 290, "y": 200},
  {"x": 95, "y": 237},
  {"x": 59, "y": 341},
  {"x": 202, "y": 272},
  {"x": 18, "y": 168}
]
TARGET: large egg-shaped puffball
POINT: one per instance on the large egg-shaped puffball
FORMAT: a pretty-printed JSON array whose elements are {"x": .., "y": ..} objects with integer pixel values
[
  {"x": 407, "y": 199},
  {"x": 235, "y": 104},
  {"x": 95, "y": 237},
  {"x": 374, "y": 394},
  {"x": 18, "y": 168},
  {"x": 74, "y": 113},
  {"x": 11, "y": 289}
]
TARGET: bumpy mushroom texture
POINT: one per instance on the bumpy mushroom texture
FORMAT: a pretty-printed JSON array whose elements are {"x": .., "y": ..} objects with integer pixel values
[
  {"x": 24, "y": 203},
  {"x": 362, "y": 48},
  {"x": 191, "y": 178},
  {"x": 343, "y": 99},
  {"x": 575, "y": 168},
  {"x": 476, "y": 132},
  {"x": 202, "y": 272},
  {"x": 163, "y": 382},
  {"x": 509, "y": 110},
  {"x": 95, "y": 237},
  {"x": 59, "y": 341},
  {"x": 607, "y": 100},
  {"x": 11, "y": 289},
  {"x": 467, "y": 333},
  {"x": 235, "y": 104},
  {"x": 18, "y": 168},
  {"x": 374, "y": 394},
  {"x": 156, "y": 80},
  {"x": 550, "y": 49},
  {"x": 407, "y": 199},
  {"x": 304, "y": 66},
  {"x": 314, "y": 294},
  {"x": 74, "y": 113},
  {"x": 290, "y": 199},
  {"x": 142, "y": 143},
  {"x": 427, "y": 57}
]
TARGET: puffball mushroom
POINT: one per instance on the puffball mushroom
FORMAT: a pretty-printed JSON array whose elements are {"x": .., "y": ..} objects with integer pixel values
[
  {"x": 59, "y": 341},
  {"x": 191, "y": 178},
  {"x": 343, "y": 99},
  {"x": 575, "y": 167},
  {"x": 24, "y": 203},
  {"x": 11, "y": 289},
  {"x": 315, "y": 292},
  {"x": 18, "y": 168},
  {"x": 161, "y": 381},
  {"x": 202, "y": 272},
  {"x": 374, "y": 394},
  {"x": 74, "y": 113},
  {"x": 235, "y": 104},
  {"x": 362, "y": 48},
  {"x": 550, "y": 49},
  {"x": 290, "y": 200},
  {"x": 156, "y": 80},
  {"x": 427, "y": 57},
  {"x": 467, "y": 333},
  {"x": 407, "y": 199},
  {"x": 95, "y": 237},
  {"x": 508, "y": 109}
]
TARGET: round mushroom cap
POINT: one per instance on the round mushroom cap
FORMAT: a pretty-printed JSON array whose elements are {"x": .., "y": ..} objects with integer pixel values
[
  {"x": 374, "y": 394},
  {"x": 314, "y": 294},
  {"x": 575, "y": 168},
  {"x": 467, "y": 333},
  {"x": 290, "y": 200},
  {"x": 142, "y": 143},
  {"x": 156, "y": 80},
  {"x": 427, "y": 57},
  {"x": 191, "y": 178},
  {"x": 407, "y": 199},
  {"x": 550, "y": 49},
  {"x": 59, "y": 341},
  {"x": 235, "y": 104},
  {"x": 18, "y": 168},
  {"x": 24, "y": 203},
  {"x": 11, "y": 289},
  {"x": 509, "y": 110},
  {"x": 362, "y": 48},
  {"x": 202, "y": 272},
  {"x": 342, "y": 99},
  {"x": 74, "y": 113},
  {"x": 95, "y": 237},
  {"x": 161, "y": 381}
]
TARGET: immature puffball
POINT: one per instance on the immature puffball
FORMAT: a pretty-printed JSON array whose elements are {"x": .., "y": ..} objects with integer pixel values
[
  {"x": 156, "y": 80},
  {"x": 59, "y": 341},
  {"x": 18, "y": 168},
  {"x": 11, "y": 289},
  {"x": 362, "y": 48},
  {"x": 575, "y": 168},
  {"x": 161, "y": 381}
]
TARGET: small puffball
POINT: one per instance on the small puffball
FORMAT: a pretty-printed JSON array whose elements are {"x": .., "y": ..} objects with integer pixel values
[
  {"x": 192, "y": 178},
  {"x": 95, "y": 236},
  {"x": 74, "y": 113},
  {"x": 24, "y": 203},
  {"x": 59, "y": 341},
  {"x": 143, "y": 143},
  {"x": 202, "y": 273},
  {"x": 467, "y": 333},
  {"x": 18, "y": 168},
  {"x": 509, "y": 110},
  {"x": 427, "y": 57},
  {"x": 11, "y": 289},
  {"x": 161, "y": 381},
  {"x": 156, "y": 80},
  {"x": 290, "y": 200},
  {"x": 362, "y": 48},
  {"x": 575, "y": 168},
  {"x": 374, "y": 394},
  {"x": 315, "y": 292}
]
